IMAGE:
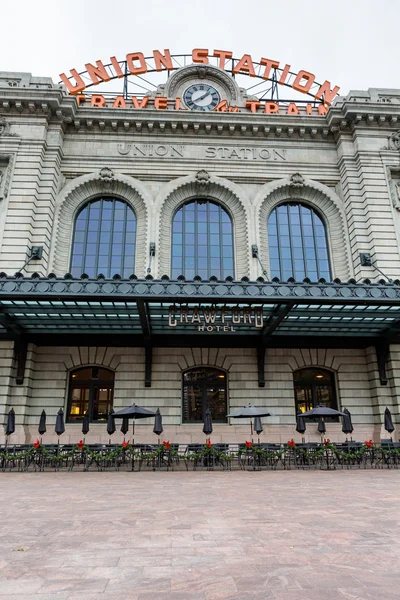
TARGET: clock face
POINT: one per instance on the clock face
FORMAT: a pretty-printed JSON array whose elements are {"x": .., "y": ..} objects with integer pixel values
[{"x": 201, "y": 96}]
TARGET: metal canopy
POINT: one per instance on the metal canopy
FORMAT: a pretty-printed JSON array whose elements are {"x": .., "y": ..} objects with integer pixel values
[
  {"x": 149, "y": 313},
  {"x": 152, "y": 309},
  {"x": 81, "y": 317}
]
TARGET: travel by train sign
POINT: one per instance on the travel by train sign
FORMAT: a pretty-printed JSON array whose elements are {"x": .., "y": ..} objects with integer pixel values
[{"x": 262, "y": 95}]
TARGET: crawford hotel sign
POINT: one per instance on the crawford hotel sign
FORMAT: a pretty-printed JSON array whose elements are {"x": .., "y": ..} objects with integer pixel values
[{"x": 199, "y": 81}]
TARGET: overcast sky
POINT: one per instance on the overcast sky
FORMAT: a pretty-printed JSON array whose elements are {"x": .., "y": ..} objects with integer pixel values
[{"x": 353, "y": 43}]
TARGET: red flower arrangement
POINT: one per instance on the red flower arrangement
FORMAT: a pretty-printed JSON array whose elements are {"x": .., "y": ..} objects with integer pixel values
[
  {"x": 80, "y": 444},
  {"x": 125, "y": 444},
  {"x": 166, "y": 445},
  {"x": 326, "y": 442},
  {"x": 36, "y": 444},
  {"x": 249, "y": 444},
  {"x": 291, "y": 443},
  {"x": 368, "y": 443},
  {"x": 208, "y": 443}
]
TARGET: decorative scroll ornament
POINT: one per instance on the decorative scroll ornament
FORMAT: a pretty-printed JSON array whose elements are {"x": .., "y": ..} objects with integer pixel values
[
  {"x": 202, "y": 180},
  {"x": 297, "y": 180},
  {"x": 107, "y": 176},
  {"x": 4, "y": 126},
  {"x": 394, "y": 141}
]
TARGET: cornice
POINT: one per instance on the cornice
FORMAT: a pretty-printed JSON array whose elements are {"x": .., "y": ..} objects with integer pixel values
[{"x": 56, "y": 106}]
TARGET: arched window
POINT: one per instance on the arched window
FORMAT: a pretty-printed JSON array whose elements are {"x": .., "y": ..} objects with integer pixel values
[
  {"x": 297, "y": 243},
  {"x": 202, "y": 241},
  {"x": 204, "y": 387},
  {"x": 313, "y": 386},
  {"x": 104, "y": 239},
  {"x": 90, "y": 389}
]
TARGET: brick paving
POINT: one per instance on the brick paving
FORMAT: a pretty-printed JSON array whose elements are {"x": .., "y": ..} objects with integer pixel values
[{"x": 283, "y": 535}]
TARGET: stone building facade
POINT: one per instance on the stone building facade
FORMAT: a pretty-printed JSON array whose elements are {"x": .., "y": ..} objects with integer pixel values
[{"x": 57, "y": 156}]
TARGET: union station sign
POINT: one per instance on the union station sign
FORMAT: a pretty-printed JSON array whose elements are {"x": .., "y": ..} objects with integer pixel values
[{"x": 200, "y": 97}]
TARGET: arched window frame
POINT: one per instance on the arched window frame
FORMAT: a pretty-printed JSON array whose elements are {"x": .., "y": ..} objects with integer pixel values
[
  {"x": 91, "y": 385},
  {"x": 315, "y": 401},
  {"x": 226, "y": 388},
  {"x": 224, "y": 210},
  {"x": 320, "y": 216},
  {"x": 108, "y": 271}
]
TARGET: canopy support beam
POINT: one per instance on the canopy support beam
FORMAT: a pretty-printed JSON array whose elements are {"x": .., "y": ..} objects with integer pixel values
[
  {"x": 145, "y": 323},
  {"x": 382, "y": 355},
  {"x": 275, "y": 320},
  {"x": 261, "y": 350},
  {"x": 20, "y": 353},
  {"x": 148, "y": 354}
]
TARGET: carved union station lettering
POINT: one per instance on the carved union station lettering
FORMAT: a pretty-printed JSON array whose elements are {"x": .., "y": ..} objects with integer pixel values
[{"x": 219, "y": 152}]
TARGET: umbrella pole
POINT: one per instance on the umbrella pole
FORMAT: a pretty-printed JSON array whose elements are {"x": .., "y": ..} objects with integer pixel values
[
  {"x": 251, "y": 429},
  {"x": 5, "y": 452}
]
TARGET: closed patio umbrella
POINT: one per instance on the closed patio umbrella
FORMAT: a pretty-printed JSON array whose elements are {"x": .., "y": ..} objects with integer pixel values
[
  {"x": 59, "y": 426},
  {"x": 110, "y": 424},
  {"x": 10, "y": 425},
  {"x": 133, "y": 412},
  {"x": 85, "y": 424},
  {"x": 258, "y": 428},
  {"x": 207, "y": 427},
  {"x": 321, "y": 426},
  {"x": 124, "y": 426},
  {"x": 158, "y": 426},
  {"x": 388, "y": 421},
  {"x": 347, "y": 425},
  {"x": 300, "y": 424},
  {"x": 42, "y": 423}
]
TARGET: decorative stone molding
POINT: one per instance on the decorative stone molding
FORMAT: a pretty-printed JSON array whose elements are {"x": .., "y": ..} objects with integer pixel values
[
  {"x": 297, "y": 180},
  {"x": 107, "y": 177},
  {"x": 6, "y": 162},
  {"x": 324, "y": 201},
  {"x": 202, "y": 180},
  {"x": 82, "y": 189},
  {"x": 394, "y": 141},
  {"x": 393, "y": 178},
  {"x": 226, "y": 193}
]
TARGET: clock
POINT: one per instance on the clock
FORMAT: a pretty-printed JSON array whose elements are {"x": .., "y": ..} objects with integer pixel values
[{"x": 201, "y": 96}]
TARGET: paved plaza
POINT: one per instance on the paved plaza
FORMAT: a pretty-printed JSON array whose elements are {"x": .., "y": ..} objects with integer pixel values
[{"x": 283, "y": 535}]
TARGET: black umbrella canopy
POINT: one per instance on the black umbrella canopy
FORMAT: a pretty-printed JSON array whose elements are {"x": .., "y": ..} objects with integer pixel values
[
  {"x": 258, "y": 428},
  {"x": 10, "y": 425},
  {"x": 60, "y": 427},
  {"x": 347, "y": 425},
  {"x": 158, "y": 426},
  {"x": 125, "y": 424},
  {"x": 207, "y": 427},
  {"x": 300, "y": 423},
  {"x": 85, "y": 423},
  {"x": 321, "y": 426},
  {"x": 249, "y": 411},
  {"x": 322, "y": 411},
  {"x": 388, "y": 421},
  {"x": 134, "y": 412},
  {"x": 110, "y": 423},
  {"x": 42, "y": 423}
]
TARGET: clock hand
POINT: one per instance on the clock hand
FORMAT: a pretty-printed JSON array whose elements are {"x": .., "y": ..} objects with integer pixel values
[{"x": 208, "y": 93}]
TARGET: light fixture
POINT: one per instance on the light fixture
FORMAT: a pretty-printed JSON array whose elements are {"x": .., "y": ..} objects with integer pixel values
[{"x": 319, "y": 376}]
